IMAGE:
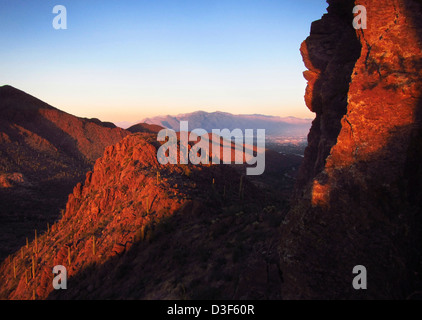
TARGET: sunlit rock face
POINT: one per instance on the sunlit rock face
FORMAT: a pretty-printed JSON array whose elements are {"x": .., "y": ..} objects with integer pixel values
[{"x": 358, "y": 197}]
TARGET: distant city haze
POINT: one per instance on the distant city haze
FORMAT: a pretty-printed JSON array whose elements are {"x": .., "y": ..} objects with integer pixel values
[{"x": 128, "y": 60}]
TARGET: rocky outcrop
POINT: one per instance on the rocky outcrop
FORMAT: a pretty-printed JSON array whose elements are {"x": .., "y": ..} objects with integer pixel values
[
  {"x": 358, "y": 193},
  {"x": 123, "y": 197},
  {"x": 330, "y": 54}
]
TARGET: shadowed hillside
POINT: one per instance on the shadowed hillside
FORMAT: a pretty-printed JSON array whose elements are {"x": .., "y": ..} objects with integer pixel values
[
  {"x": 145, "y": 127},
  {"x": 44, "y": 152},
  {"x": 138, "y": 229}
]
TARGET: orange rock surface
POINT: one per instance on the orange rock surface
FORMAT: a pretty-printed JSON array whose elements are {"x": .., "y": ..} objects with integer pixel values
[{"x": 358, "y": 198}]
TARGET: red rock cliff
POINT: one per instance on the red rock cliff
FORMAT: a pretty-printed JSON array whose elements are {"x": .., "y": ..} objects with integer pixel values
[{"x": 358, "y": 193}]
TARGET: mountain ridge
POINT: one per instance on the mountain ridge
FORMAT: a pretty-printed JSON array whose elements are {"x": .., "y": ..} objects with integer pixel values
[
  {"x": 44, "y": 152},
  {"x": 275, "y": 126}
]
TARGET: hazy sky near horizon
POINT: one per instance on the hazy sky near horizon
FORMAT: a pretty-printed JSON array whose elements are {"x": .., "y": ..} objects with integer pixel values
[{"x": 126, "y": 60}]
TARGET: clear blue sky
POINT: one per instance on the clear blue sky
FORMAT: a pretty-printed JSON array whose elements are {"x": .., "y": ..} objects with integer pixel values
[{"x": 125, "y": 60}]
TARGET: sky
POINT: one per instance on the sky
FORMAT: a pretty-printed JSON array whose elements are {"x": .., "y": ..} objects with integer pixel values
[{"x": 127, "y": 60}]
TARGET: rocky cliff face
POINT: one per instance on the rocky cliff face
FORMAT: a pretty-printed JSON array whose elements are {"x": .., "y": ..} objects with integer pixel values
[{"x": 358, "y": 198}]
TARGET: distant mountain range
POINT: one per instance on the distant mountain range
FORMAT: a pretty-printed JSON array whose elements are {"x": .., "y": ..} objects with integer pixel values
[{"x": 274, "y": 126}]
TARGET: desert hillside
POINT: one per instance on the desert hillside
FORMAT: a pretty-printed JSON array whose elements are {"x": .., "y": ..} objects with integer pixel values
[
  {"x": 44, "y": 152},
  {"x": 138, "y": 229}
]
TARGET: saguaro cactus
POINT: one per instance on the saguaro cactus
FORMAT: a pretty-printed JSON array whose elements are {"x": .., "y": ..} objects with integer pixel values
[
  {"x": 33, "y": 267},
  {"x": 68, "y": 256},
  {"x": 36, "y": 242},
  {"x": 143, "y": 232}
]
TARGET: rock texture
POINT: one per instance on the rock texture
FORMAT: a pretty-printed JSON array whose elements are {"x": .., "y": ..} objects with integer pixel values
[{"x": 358, "y": 198}]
